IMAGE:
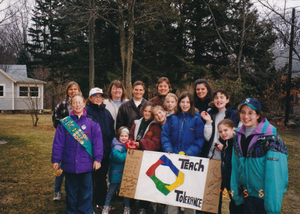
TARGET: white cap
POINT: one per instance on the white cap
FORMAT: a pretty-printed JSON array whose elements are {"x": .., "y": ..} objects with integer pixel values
[{"x": 94, "y": 91}]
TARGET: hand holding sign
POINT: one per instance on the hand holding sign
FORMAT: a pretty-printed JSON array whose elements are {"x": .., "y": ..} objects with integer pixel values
[{"x": 130, "y": 144}]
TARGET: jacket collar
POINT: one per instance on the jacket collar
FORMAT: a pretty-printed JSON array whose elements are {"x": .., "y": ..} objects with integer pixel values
[
  {"x": 75, "y": 117},
  {"x": 131, "y": 102},
  {"x": 101, "y": 107},
  {"x": 263, "y": 128}
]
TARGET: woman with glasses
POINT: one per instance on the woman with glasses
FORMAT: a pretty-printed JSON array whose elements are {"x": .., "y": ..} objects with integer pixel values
[
  {"x": 116, "y": 95},
  {"x": 96, "y": 109},
  {"x": 259, "y": 175}
]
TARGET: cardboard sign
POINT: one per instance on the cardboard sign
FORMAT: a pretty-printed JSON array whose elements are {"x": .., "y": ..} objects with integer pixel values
[{"x": 177, "y": 180}]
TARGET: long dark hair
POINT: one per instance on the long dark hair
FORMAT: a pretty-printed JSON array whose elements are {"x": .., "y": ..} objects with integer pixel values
[
  {"x": 190, "y": 96},
  {"x": 209, "y": 90}
]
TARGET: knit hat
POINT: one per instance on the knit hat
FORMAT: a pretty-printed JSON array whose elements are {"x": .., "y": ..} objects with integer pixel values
[
  {"x": 252, "y": 103},
  {"x": 94, "y": 91}
]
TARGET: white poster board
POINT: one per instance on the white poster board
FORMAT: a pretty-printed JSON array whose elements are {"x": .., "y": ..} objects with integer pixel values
[{"x": 178, "y": 180}]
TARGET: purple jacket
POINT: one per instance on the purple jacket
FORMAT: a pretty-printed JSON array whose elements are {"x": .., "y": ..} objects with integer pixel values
[{"x": 73, "y": 156}]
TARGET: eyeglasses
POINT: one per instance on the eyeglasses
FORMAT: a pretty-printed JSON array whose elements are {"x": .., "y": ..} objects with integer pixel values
[
  {"x": 250, "y": 113},
  {"x": 116, "y": 89},
  {"x": 77, "y": 103},
  {"x": 97, "y": 96}
]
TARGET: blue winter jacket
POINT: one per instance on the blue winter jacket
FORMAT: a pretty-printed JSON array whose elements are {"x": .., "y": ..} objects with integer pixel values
[
  {"x": 117, "y": 161},
  {"x": 73, "y": 156},
  {"x": 106, "y": 122},
  {"x": 264, "y": 172},
  {"x": 183, "y": 132}
]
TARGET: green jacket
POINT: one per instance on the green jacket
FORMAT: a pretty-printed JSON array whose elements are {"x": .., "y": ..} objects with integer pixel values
[{"x": 263, "y": 173}]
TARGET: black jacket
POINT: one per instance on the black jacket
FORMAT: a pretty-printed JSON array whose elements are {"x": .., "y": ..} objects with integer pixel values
[
  {"x": 106, "y": 122},
  {"x": 128, "y": 112}
]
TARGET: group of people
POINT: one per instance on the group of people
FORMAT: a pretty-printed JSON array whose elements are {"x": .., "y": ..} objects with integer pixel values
[{"x": 91, "y": 142}]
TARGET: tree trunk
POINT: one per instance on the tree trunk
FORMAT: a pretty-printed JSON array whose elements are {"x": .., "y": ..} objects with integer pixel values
[
  {"x": 91, "y": 45},
  {"x": 239, "y": 62},
  {"x": 130, "y": 41},
  {"x": 123, "y": 45},
  {"x": 126, "y": 44}
]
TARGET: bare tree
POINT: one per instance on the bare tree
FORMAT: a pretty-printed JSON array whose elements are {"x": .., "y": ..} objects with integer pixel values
[
  {"x": 33, "y": 102},
  {"x": 14, "y": 23},
  {"x": 281, "y": 18},
  {"x": 129, "y": 14}
]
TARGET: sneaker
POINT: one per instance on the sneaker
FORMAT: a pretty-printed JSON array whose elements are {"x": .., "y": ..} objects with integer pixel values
[
  {"x": 142, "y": 211},
  {"x": 105, "y": 210},
  {"x": 182, "y": 209},
  {"x": 57, "y": 196},
  {"x": 126, "y": 210}
]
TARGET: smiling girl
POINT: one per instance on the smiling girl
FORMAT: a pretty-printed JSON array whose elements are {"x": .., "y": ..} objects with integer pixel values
[
  {"x": 146, "y": 133},
  {"x": 159, "y": 115},
  {"x": 202, "y": 94},
  {"x": 259, "y": 175},
  {"x": 220, "y": 111},
  {"x": 226, "y": 129},
  {"x": 183, "y": 132},
  {"x": 96, "y": 109},
  {"x": 83, "y": 142},
  {"x": 62, "y": 110},
  {"x": 116, "y": 167},
  {"x": 170, "y": 103}
]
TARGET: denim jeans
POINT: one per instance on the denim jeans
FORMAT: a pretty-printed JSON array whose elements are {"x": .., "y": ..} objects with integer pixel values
[
  {"x": 111, "y": 192},
  {"x": 58, "y": 182},
  {"x": 79, "y": 193}
]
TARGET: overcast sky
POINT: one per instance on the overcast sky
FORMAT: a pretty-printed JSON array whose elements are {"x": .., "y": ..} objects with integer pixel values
[{"x": 278, "y": 4}]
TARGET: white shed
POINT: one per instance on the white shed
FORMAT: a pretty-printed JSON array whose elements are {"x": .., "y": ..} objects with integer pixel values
[{"x": 17, "y": 91}]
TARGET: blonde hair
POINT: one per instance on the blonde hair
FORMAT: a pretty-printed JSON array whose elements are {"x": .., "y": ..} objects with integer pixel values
[
  {"x": 77, "y": 95},
  {"x": 157, "y": 108},
  {"x": 169, "y": 95}
]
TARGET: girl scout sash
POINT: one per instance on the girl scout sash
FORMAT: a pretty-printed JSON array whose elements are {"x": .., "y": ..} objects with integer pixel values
[{"x": 77, "y": 133}]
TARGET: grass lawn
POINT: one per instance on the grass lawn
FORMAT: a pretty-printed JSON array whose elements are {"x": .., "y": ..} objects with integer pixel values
[{"x": 27, "y": 177}]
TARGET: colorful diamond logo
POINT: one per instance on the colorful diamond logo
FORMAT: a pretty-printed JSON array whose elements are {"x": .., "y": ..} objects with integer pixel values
[{"x": 163, "y": 187}]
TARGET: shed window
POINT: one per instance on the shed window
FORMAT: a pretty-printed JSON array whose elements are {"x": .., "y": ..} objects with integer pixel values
[
  {"x": 23, "y": 92},
  {"x": 28, "y": 91},
  {"x": 34, "y": 91},
  {"x": 1, "y": 91}
]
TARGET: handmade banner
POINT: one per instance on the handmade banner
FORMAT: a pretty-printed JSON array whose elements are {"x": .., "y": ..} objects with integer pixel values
[{"x": 177, "y": 180}]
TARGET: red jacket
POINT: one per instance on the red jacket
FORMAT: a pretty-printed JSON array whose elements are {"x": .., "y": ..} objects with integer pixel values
[{"x": 151, "y": 138}]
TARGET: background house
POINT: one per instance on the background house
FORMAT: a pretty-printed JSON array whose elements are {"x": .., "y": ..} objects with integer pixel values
[{"x": 17, "y": 91}]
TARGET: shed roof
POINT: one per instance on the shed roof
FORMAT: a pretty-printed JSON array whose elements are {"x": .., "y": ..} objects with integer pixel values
[
  {"x": 19, "y": 70},
  {"x": 18, "y": 74}
]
